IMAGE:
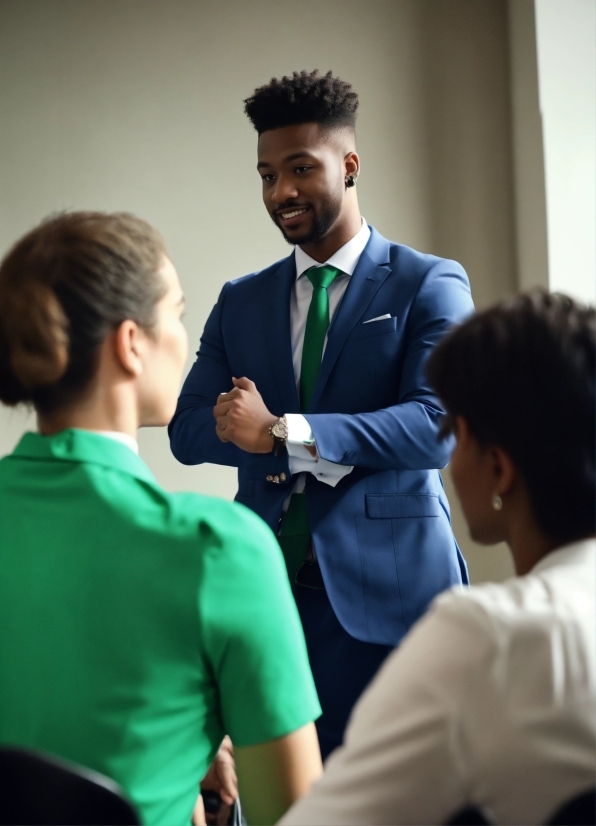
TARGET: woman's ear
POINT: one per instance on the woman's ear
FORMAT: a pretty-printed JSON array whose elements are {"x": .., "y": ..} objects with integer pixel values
[
  {"x": 461, "y": 429},
  {"x": 504, "y": 469},
  {"x": 128, "y": 347}
]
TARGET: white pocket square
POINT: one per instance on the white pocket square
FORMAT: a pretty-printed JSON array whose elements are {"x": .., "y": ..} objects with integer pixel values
[{"x": 378, "y": 318}]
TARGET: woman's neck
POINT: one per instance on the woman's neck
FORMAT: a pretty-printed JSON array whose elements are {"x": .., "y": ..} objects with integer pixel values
[
  {"x": 528, "y": 546},
  {"x": 526, "y": 539},
  {"x": 112, "y": 409}
]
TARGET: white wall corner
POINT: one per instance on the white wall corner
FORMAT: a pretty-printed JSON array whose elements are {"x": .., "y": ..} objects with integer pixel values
[
  {"x": 528, "y": 148},
  {"x": 565, "y": 38}
]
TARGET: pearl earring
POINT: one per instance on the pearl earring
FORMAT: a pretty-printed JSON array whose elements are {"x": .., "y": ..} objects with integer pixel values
[{"x": 497, "y": 502}]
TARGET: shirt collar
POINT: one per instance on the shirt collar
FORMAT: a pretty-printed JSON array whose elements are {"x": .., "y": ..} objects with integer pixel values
[
  {"x": 117, "y": 436},
  {"x": 345, "y": 259},
  {"x": 567, "y": 555},
  {"x": 74, "y": 445}
]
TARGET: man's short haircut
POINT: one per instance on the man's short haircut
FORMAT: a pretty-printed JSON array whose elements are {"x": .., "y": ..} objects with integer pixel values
[
  {"x": 522, "y": 376},
  {"x": 306, "y": 97}
]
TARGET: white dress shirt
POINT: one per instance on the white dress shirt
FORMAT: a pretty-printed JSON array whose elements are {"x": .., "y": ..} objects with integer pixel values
[
  {"x": 299, "y": 433},
  {"x": 490, "y": 701}
]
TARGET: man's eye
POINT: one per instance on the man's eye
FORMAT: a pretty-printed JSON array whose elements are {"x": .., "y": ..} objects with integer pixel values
[
  {"x": 268, "y": 177},
  {"x": 300, "y": 170}
]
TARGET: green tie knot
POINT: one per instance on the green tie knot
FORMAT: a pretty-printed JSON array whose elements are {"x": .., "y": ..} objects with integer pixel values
[{"x": 322, "y": 276}]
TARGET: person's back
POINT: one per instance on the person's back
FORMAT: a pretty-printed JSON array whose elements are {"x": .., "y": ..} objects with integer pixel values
[
  {"x": 534, "y": 696},
  {"x": 117, "y": 604},
  {"x": 137, "y": 627},
  {"x": 490, "y": 702},
  {"x": 524, "y": 671}
]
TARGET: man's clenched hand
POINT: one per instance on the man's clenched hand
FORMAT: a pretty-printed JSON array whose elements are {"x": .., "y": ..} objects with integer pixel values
[{"x": 242, "y": 418}]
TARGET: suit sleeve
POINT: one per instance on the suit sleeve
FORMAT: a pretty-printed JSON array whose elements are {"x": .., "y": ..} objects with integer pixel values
[
  {"x": 404, "y": 436},
  {"x": 192, "y": 430}
]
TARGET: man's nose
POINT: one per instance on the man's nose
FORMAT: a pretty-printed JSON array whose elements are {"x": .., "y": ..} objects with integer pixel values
[{"x": 285, "y": 190}]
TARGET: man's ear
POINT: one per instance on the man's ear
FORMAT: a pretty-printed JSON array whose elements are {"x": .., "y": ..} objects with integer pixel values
[
  {"x": 352, "y": 164},
  {"x": 504, "y": 469},
  {"x": 128, "y": 347}
]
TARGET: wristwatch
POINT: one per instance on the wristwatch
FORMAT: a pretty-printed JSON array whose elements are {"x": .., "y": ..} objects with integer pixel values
[{"x": 279, "y": 433}]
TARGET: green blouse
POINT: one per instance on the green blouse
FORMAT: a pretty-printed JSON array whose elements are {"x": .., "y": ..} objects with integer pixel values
[{"x": 138, "y": 627}]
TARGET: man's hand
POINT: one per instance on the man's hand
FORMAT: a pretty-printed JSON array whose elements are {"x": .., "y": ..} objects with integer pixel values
[
  {"x": 221, "y": 778},
  {"x": 242, "y": 418}
]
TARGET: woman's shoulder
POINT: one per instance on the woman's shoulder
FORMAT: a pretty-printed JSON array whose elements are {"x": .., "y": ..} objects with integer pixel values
[
  {"x": 218, "y": 523},
  {"x": 555, "y": 598},
  {"x": 192, "y": 510}
]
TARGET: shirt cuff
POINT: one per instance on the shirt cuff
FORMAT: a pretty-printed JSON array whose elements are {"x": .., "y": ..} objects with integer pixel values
[{"x": 300, "y": 436}]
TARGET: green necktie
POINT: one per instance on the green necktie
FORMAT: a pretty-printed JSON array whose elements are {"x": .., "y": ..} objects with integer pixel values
[
  {"x": 317, "y": 324},
  {"x": 295, "y": 531}
]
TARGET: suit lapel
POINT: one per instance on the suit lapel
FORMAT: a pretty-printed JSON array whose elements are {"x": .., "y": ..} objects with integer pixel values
[
  {"x": 279, "y": 339},
  {"x": 370, "y": 273}
]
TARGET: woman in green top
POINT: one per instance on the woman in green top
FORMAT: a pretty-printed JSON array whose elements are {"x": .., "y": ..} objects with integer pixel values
[{"x": 137, "y": 627}]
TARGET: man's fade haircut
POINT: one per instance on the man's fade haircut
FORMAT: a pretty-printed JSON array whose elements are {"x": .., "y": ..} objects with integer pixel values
[{"x": 305, "y": 97}]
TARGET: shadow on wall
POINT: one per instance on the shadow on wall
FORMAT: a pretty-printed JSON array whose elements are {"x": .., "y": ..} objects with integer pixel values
[
  {"x": 467, "y": 96},
  {"x": 470, "y": 177}
]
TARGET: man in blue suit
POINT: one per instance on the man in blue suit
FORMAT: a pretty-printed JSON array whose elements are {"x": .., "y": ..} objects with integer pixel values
[{"x": 328, "y": 415}]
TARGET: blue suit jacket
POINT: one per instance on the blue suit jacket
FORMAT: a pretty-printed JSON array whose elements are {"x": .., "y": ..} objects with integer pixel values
[{"x": 383, "y": 536}]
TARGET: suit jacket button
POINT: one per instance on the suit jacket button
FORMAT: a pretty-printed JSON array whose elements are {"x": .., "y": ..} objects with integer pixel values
[
  {"x": 276, "y": 480},
  {"x": 270, "y": 478},
  {"x": 282, "y": 477}
]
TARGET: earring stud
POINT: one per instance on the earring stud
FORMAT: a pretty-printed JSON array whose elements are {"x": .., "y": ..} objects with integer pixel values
[
  {"x": 350, "y": 181},
  {"x": 497, "y": 502}
]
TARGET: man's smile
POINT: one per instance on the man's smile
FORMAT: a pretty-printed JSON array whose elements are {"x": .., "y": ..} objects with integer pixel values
[{"x": 291, "y": 216}]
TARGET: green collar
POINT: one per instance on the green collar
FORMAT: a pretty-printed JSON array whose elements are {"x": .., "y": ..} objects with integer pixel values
[{"x": 73, "y": 445}]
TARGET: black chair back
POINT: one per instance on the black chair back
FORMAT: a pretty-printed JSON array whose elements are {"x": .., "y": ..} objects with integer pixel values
[
  {"x": 41, "y": 789},
  {"x": 579, "y": 811}
]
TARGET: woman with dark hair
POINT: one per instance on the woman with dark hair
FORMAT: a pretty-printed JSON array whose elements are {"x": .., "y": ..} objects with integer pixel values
[
  {"x": 490, "y": 702},
  {"x": 137, "y": 627}
]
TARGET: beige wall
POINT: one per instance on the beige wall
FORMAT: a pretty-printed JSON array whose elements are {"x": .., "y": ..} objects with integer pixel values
[{"x": 136, "y": 105}]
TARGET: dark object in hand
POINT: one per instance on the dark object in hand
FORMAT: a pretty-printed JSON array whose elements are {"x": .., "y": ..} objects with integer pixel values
[{"x": 213, "y": 803}]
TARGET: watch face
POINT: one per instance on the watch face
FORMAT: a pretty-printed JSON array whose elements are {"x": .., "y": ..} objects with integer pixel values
[{"x": 279, "y": 430}]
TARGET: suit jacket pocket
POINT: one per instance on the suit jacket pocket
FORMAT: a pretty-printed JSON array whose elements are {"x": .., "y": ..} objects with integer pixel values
[
  {"x": 374, "y": 328},
  {"x": 401, "y": 505}
]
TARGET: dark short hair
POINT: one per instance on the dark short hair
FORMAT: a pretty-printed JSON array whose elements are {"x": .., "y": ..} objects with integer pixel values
[
  {"x": 522, "y": 376},
  {"x": 305, "y": 97},
  {"x": 63, "y": 287}
]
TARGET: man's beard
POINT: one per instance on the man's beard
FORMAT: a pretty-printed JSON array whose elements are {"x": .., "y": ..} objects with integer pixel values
[{"x": 322, "y": 223}]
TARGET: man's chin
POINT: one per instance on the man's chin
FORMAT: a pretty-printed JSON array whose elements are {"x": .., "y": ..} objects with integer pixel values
[{"x": 297, "y": 239}]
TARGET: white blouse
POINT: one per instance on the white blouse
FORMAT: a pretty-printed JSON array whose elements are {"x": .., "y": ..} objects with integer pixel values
[{"x": 490, "y": 701}]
